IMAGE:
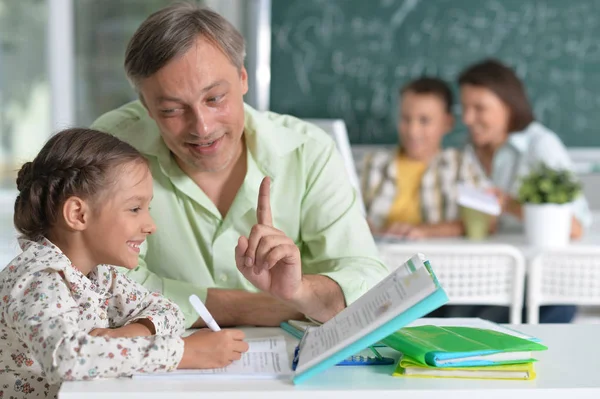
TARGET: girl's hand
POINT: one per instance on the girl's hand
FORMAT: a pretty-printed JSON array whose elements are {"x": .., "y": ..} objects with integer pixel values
[{"x": 206, "y": 349}]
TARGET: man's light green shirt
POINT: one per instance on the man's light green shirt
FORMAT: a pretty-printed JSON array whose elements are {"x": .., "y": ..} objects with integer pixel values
[{"x": 311, "y": 199}]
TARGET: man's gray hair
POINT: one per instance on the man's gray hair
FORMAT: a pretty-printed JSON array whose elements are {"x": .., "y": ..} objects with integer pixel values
[{"x": 171, "y": 32}]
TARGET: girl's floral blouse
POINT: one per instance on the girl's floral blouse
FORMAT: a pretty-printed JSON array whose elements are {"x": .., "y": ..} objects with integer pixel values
[{"x": 48, "y": 308}]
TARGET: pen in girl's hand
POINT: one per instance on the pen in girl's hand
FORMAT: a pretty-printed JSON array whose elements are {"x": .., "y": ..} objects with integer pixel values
[{"x": 204, "y": 313}]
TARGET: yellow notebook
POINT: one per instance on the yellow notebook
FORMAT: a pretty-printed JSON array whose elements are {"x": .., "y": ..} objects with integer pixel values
[{"x": 409, "y": 368}]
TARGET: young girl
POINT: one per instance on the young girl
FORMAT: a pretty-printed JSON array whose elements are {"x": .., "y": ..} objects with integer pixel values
[{"x": 83, "y": 203}]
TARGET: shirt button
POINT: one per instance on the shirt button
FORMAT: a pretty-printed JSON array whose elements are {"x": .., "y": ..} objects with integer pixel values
[
  {"x": 223, "y": 277},
  {"x": 102, "y": 315}
]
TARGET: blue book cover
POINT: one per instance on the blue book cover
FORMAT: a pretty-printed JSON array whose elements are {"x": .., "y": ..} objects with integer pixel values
[{"x": 408, "y": 293}]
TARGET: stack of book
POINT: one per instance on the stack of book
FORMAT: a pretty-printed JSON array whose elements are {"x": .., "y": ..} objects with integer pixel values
[
  {"x": 388, "y": 312},
  {"x": 463, "y": 348}
]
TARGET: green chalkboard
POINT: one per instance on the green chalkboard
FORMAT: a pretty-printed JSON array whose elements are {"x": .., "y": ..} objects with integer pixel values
[{"x": 347, "y": 58}]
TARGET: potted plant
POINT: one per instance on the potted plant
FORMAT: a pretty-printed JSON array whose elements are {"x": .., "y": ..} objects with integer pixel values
[{"x": 547, "y": 195}]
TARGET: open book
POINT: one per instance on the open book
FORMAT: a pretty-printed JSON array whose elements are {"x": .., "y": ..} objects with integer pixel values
[
  {"x": 266, "y": 358},
  {"x": 409, "y": 292},
  {"x": 478, "y": 199}
]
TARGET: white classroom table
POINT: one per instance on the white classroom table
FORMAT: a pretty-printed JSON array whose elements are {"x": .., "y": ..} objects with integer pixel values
[
  {"x": 569, "y": 369},
  {"x": 515, "y": 237}
]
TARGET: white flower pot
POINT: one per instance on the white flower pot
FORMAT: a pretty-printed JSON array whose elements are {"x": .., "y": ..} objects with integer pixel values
[{"x": 547, "y": 225}]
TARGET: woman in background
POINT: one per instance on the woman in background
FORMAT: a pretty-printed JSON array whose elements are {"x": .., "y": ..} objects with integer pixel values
[
  {"x": 508, "y": 143},
  {"x": 506, "y": 138}
]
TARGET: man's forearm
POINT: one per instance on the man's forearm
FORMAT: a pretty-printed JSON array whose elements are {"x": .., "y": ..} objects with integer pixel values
[
  {"x": 236, "y": 308},
  {"x": 321, "y": 298}
]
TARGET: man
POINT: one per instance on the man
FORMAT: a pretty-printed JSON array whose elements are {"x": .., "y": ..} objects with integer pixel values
[{"x": 209, "y": 154}]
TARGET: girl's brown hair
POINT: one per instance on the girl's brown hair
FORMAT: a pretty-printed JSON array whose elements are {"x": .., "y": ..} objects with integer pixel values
[
  {"x": 503, "y": 82},
  {"x": 74, "y": 162}
]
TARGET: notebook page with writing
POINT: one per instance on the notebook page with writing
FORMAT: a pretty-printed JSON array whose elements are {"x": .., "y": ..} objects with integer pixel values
[
  {"x": 266, "y": 358},
  {"x": 402, "y": 289}
]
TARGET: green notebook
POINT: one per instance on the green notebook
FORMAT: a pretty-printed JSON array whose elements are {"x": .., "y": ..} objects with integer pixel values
[{"x": 461, "y": 346}]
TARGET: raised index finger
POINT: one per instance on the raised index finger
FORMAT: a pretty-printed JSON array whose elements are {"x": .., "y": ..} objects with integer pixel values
[{"x": 263, "y": 212}]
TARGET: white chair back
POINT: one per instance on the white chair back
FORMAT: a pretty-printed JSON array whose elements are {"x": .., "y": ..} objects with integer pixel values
[
  {"x": 567, "y": 276},
  {"x": 486, "y": 274}
]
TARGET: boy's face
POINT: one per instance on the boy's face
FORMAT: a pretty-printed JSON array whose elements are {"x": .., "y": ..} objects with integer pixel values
[
  {"x": 122, "y": 221},
  {"x": 422, "y": 124}
]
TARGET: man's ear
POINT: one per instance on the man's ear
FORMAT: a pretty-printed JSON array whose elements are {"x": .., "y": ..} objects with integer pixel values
[
  {"x": 244, "y": 80},
  {"x": 76, "y": 213}
]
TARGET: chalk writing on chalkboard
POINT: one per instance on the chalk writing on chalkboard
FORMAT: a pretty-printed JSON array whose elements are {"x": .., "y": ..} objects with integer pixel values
[{"x": 347, "y": 58}]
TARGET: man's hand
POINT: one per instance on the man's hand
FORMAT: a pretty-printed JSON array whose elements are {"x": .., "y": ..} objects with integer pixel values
[{"x": 268, "y": 258}]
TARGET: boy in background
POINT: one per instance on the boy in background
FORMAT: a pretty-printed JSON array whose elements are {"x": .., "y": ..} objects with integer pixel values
[{"x": 411, "y": 191}]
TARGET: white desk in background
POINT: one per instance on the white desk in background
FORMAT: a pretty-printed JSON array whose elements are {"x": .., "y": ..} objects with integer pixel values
[
  {"x": 515, "y": 238},
  {"x": 569, "y": 369}
]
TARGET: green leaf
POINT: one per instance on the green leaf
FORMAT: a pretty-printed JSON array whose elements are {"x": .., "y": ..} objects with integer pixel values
[{"x": 546, "y": 185}]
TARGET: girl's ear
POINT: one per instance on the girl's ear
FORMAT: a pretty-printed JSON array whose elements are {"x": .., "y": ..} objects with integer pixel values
[{"x": 76, "y": 213}]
